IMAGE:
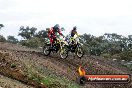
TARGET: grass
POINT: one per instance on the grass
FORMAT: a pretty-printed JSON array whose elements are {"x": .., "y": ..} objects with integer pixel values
[
  {"x": 13, "y": 65},
  {"x": 50, "y": 79},
  {"x": 125, "y": 64},
  {"x": 61, "y": 82},
  {"x": 128, "y": 66}
]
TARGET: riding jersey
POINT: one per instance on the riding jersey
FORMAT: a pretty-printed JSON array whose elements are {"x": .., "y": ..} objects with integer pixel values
[
  {"x": 73, "y": 32},
  {"x": 53, "y": 33}
]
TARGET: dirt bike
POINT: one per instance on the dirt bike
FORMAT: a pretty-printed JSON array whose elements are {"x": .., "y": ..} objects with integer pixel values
[
  {"x": 75, "y": 46},
  {"x": 58, "y": 46}
]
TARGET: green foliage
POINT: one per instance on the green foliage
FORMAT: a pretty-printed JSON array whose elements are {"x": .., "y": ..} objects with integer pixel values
[
  {"x": 2, "y": 38},
  {"x": 126, "y": 55},
  {"x": 12, "y": 39},
  {"x": 116, "y": 56},
  {"x": 32, "y": 43},
  {"x": 109, "y": 45},
  {"x": 13, "y": 65},
  {"x": 1, "y": 25},
  {"x": 42, "y": 34},
  {"x": 32, "y": 38},
  {"x": 27, "y": 33},
  {"x": 106, "y": 55},
  {"x": 23, "y": 43},
  {"x": 49, "y": 79},
  {"x": 128, "y": 65},
  {"x": 95, "y": 51}
]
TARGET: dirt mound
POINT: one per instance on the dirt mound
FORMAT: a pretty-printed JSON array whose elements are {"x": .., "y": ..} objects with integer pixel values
[
  {"x": 6, "y": 82},
  {"x": 31, "y": 66},
  {"x": 11, "y": 69}
]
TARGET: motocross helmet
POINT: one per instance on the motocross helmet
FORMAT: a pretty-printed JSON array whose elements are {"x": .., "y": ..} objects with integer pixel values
[
  {"x": 74, "y": 28},
  {"x": 56, "y": 27}
]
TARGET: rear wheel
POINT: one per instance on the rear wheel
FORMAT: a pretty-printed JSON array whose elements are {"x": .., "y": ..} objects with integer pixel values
[{"x": 46, "y": 50}]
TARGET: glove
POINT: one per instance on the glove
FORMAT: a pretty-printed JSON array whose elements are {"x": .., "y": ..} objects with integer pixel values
[{"x": 63, "y": 36}]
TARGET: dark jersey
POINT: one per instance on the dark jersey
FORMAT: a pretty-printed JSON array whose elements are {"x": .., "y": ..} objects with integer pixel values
[{"x": 73, "y": 32}]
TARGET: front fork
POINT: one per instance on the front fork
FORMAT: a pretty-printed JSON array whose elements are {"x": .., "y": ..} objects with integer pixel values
[{"x": 61, "y": 46}]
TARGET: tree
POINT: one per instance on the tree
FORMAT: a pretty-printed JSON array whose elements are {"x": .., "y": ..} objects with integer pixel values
[
  {"x": 42, "y": 34},
  {"x": 27, "y": 33},
  {"x": 12, "y": 39},
  {"x": 1, "y": 25},
  {"x": 2, "y": 39}
]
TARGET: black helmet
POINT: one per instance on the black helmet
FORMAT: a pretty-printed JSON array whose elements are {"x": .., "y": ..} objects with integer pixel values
[
  {"x": 74, "y": 28},
  {"x": 56, "y": 27}
]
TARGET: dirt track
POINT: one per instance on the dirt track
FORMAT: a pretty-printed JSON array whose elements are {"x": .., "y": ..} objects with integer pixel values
[{"x": 65, "y": 68}]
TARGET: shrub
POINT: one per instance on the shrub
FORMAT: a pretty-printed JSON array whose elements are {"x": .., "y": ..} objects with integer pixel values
[
  {"x": 2, "y": 38},
  {"x": 106, "y": 55},
  {"x": 116, "y": 56},
  {"x": 12, "y": 39},
  {"x": 126, "y": 55},
  {"x": 32, "y": 43}
]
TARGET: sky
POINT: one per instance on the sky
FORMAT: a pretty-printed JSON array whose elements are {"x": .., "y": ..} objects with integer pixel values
[{"x": 94, "y": 17}]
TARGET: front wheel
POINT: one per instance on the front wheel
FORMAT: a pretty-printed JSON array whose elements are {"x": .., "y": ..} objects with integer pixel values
[
  {"x": 79, "y": 51},
  {"x": 46, "y": 50},
  {"x": 64, "y": 52}
]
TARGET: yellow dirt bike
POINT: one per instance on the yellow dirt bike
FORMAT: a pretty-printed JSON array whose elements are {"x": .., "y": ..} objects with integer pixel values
[
  {"x": 59, "y": 46},
  {"x": 75, "y": 46}
]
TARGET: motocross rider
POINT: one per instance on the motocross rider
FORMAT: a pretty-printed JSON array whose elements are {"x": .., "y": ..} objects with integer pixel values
[
  {"x": 73, "y": 33},
  {"x": 52, "y": 34}
]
